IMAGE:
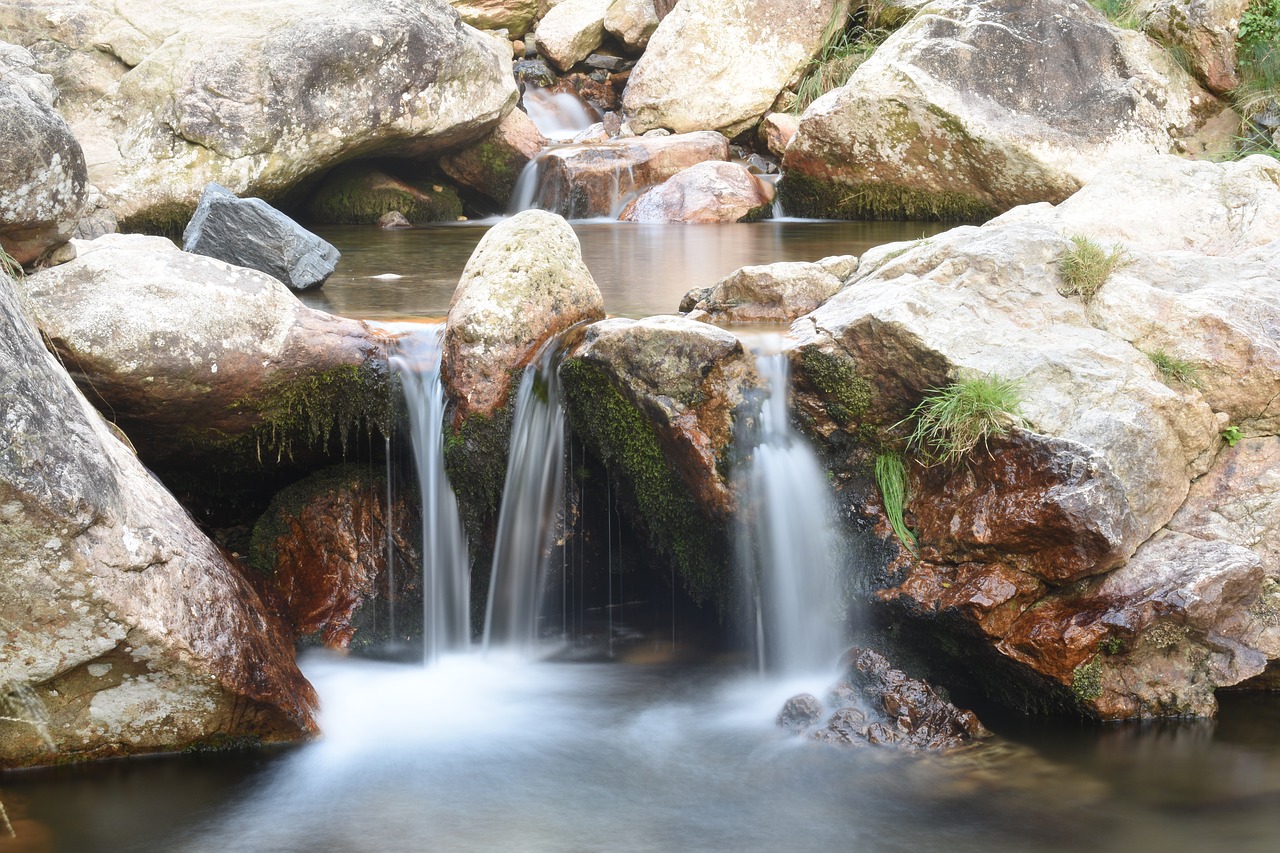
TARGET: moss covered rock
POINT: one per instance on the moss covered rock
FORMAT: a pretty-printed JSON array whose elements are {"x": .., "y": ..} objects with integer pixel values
[{"x": 362, "y": 193}]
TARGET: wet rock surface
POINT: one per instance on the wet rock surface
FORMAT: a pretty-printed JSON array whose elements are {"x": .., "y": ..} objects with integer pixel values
[
  {"x": 123, "y": 628},
  {"x": 492, "y": 165},
  {"x": 706, "y": 192},
  {"x": 248, "y": 232}
]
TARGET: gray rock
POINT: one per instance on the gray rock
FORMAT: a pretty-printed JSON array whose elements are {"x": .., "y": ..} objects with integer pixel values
[
  {"x": 43, "y": 178},
  {"x": 248, "y": 232},
  {"x": 800, "y": 712},
  {"x": 771, "y": 293},
  {"x": 1205, "y": 31}
]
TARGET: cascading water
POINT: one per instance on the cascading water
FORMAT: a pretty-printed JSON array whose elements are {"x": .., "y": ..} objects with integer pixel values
[
  {"x": 787, "y": 546},
  {"x": 530, "y": 500},
  {"x": 445, "y": 576},
  {"x": 559, "y": 116}
]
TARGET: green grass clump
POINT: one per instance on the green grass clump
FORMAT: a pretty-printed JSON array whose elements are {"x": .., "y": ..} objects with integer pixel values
[
  {"x": 1122, "y": 13},
  {"x": 1174, "y": 369},
  {"x": 1258, "y": 65},
  {"x": 845, "y": 48},
  {"x": 1086, "y": 266},
  {"x": 952, "y": 421},
  {"x": 8, "y": 265},
  {"x": 891, "y": 477}
]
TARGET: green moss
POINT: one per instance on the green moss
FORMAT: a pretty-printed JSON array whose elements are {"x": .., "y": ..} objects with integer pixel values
[
  {"x": 223, "y": 743},
  {"x": 846, "y": 396},
  {"x": 803, "y": 195},
  {"x": 620, "y": 434},
  {"x": 1086, "y": 680},
  {"x": 1113, "y": 645},
  {"x": 360, "y": 195},
  {"x": 166, "y": 220},
  {"x": 475, "y": 460},
  {"x": 289, "y": 503}
]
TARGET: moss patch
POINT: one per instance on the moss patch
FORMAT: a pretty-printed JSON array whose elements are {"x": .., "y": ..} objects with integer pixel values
[
  {"x": 806, "y": 196},
  {"x": 620, "y": 434},
  {"x": 1086, "y": 680},
  {"x": 846, "y": 396},
  {"x": 475, "y": 460},
  {"x": 361, "y": 195}
]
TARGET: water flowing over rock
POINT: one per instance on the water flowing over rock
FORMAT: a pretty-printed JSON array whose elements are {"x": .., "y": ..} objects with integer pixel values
[
  {"x": 43, "y": 179},
  {"x": 323, "y": 545},
  {"x": 771, "y": 293},
  {"x": 571, "y": 30},
  {"x": 166, "y": 97},
  {"x": 972, "y": 108},
  {"x": 1205, "y": 30},
  {"x": 248, "y": 232},
  {"x": 716, "y": 65},
  {"x": 125, "y": 629},
  {"x": 655, "y": 399},
  {"x": 595, "y": 180},
  {"x": 493, "y": 164},
  {"x": 713, "y": 191},
  {"x": 259, "y": 378},
  {"x": 525, "y": 283}
]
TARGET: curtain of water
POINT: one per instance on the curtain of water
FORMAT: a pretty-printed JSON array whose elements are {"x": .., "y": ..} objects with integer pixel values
[
  {"x": 445, "y": 576},
  {"x": 787, "y": 546},
  {"x": 559, "y": 116},
  {"x": 531, "y": 499}
]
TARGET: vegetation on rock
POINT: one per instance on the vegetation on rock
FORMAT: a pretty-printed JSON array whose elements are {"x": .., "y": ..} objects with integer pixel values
[
  {"x": 1174, "y": 369},
  {"x": 1122, "y": 13},
  {"x": 847, "y": 44},
  {"x": 951, "y": 422},
  {"x": 1086, "y": 266},
  {"x": 1258, "y": 61},
  {"x": 891, "y": 477}
]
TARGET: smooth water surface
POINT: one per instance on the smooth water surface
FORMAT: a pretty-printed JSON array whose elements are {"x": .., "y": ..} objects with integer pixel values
[
  {"x": 642, "y": 270},
  {"x": 482, "y": 754}
]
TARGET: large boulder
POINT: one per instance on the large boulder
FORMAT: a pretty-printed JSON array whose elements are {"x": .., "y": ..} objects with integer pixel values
[
  {"x": 714, "y": 191},
  {"x": 972, "y": 108},
  {"x": 43, "y": 179},
  {"x": 514, "y": 16},
  {"x": 248, "y": 232},
  {"x": 257, "y": 379},
  {"x": 571, "y": 30},
  {"x": 717, "y": 65},
  {"x": 123, "y": 628},
  {"x": 1204, "y": 30},
  {"x": 166, "y": 97},
  {"x": 595, "y": 180},
  {"x": 631, "y": 22},
  {"x": 656, "y": 400}
]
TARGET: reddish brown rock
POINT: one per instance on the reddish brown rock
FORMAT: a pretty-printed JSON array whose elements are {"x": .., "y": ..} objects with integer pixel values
[
  {"x": 713, "y": 191},
  {"x": 323, "y": 544},
  {"x": 493, "y": 164},
  {"x": 778, "y": 129},
  {"x": 990, "y": 596}
]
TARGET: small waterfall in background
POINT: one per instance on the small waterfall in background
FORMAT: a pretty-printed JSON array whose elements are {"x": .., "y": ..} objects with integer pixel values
[
  {"x": 531, "y": 498},
  {"x": 787, "y": 546},
  {"x": 445, "y": 576},
  {"x": 559, "y": 116}
]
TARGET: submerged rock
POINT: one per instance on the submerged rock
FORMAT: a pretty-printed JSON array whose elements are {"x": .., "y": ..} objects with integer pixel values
[
  {"x": 713, "y": 191},
  {"x": 974, "y": 107},
  {"x": 883, "y": 706},
  {"x": 717, "y": 65},
  {"x": 248, "y": 232},
  {"x": 257, "y": 380},
  {"x": 43, "y": 179},
  {"x": 123, "y": 628},
  {"x": 258, "y": 96},
  {"x": 800, "y": 713}
]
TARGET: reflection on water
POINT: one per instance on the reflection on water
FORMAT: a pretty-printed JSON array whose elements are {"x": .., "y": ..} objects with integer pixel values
[
  {"x": 641, "y": 269},
  {"x": 502, "y": 754}
]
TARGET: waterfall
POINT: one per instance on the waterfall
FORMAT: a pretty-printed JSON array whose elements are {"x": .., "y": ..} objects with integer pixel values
[
  {"x": 787, "y": 546},
  {"x": 559, "y": 116},
  {"x": 530, "y": 500},
  {"x": 445, "y": 577}
]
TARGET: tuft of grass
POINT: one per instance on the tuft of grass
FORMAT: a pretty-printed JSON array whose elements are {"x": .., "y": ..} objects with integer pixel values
[
  {"x": 891, "y": 477},
  {"x": 1258, "y": 65},
  {"x": 847, "y": 46},
  {"x": 952, "y": 421},
  {"x": 1174, "y": 369},
  {"x": 1122, "y": 13},
  {"x": 8, "y": 265},
  {"x": 1086, "y": 266}
]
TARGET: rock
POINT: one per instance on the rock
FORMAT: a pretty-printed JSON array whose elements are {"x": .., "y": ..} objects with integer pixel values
[
  {"x": 322, "y": 543},
  {"x": 631, "y": 22},
  {"x": 655, "y": 400},
  {"x": 604, "y": 62},
  {"x": 1204, "y": 30},
  {"x": 571, "y": 30},
  {"x": 256, "y": 381},
  {"x": 360, "y": 193},
  {"x": 1146, "y": 203},
  {"x": 716, "y": 65},
  {"x": 393, "y": 220},
  {"x": 258, "y": 96},
  {"x": 895, "y": 13},
  {"x": 588, "y": 181},
  {"x": 713, "y": 191},
  {"x": 773, "y": 293},
  {"x": 1238, "y": 501},
  {"x": 535, "y": 72},
  {"x": 975, "y": 107},
  {"x": 43, "y": 180},
  {"x": 524, "y": 284},
  {"x": 800, "y": 712},
  {"x": 125, "y": 630},
  {"x": 248, "y": 232},
  {"x": 514, "y": 16},
  {"x": 885, "y": 707},
  {"x": 778, "y": 129},
  {"x": 493, "y": 164},
  {"x": 98, "y": 220}
]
